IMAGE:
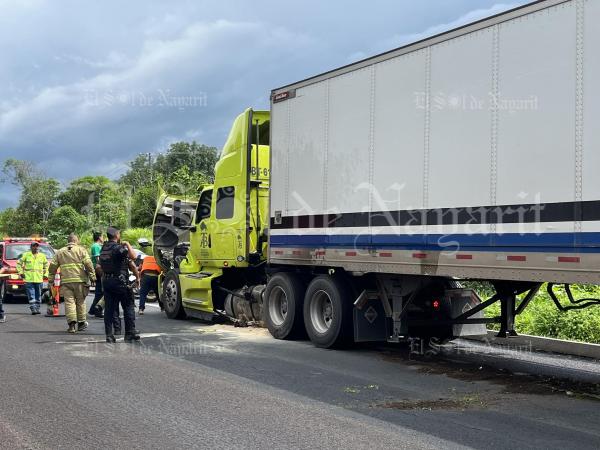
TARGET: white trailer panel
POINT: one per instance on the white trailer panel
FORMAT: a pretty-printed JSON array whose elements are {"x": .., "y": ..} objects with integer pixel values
[
  {"x": 307, "y": 160},
  {"x": 469, "y": 154},
  {"x": 400, "y": 87},
  {"x": 589, "y": 95},
  {"x": 537, "y": 56},
  {"x": 461, "y": 82},
  {"x": 348, "y": 152}
]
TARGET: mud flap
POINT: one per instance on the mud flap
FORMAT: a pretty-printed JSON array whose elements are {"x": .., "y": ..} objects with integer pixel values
[
  {"x": 370, "y": 323},
  {"x": 461, "y": 301}
]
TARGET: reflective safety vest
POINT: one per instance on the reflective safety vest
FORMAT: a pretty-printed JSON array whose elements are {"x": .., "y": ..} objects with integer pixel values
[
  {"x": 75, "y": 265},
  {"x": 33, "y": 268},
  {"x": 150, "y": 267}
]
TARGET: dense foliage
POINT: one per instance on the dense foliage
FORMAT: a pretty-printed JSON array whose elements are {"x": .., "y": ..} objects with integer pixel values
[
  {"x": 542, "y": 317},
  {"x": 93, "y": 202}
]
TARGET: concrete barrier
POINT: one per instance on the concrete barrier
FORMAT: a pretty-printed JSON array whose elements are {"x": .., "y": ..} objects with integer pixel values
[{"x": 544, "y": 344}]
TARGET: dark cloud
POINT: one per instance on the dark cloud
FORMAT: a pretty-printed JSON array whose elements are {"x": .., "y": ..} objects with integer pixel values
[{"x": 86, "y": 86}]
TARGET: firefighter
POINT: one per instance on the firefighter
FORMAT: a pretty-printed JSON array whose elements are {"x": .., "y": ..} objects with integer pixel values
[
  {"x": 33, "y": 268},
  {"x": 76, "y": 273},
  {"x": 149, "y": 273},
  {"x": 114, "y": 260}
]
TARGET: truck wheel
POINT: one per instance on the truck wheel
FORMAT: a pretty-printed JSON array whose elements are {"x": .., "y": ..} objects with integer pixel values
[
  {"x": 283, "y": 306},
  {"x": 4, "y": 295},
  {"x": 172, "y": 296},
  {"x": 328, "y": 312}
]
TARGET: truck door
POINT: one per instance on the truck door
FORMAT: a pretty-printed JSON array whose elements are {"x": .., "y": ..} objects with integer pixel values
[{"x": 226, "y": 224}]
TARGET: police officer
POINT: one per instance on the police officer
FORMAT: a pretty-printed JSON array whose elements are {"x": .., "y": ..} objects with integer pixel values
[{"x": 114, "y": 260}]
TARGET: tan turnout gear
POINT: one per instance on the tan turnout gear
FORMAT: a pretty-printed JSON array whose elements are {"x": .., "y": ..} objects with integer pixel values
[
  {"x": 74, "y": 295},
  {"x": 76, "y": 273}
]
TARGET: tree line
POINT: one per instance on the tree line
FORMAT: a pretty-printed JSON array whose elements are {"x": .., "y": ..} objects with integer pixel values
[{"x": 89, "y": 203}]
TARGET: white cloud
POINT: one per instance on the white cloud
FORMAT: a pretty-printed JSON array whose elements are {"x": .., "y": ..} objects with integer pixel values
[
  {"x": 81, "y": 84},
  {"x": 472, "y": 16}
]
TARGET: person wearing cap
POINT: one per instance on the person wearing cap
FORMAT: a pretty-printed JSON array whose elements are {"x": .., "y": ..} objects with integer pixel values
[
  {"x": 114, "y": 261},
  {"x": 76, "y": 275},
  {"x": 32, "y": 267}
]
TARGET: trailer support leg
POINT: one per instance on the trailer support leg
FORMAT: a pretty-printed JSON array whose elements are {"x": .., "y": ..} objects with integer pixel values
[{"x": 507, "y": 315}]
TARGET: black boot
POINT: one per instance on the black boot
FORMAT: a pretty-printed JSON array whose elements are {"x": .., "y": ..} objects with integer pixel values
[
  {"x": 82, "y": 326},
  {"x": 110, "y": 338},
  {"x": 72, "y": 327},
  {"x": 132, "y": 336}
]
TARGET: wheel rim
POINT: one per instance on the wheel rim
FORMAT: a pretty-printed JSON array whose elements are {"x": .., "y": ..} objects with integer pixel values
[
  {"x": 321, "y": 312},
  {"x": 171, "y": 295},
  {"x": 278, "y": 306}
]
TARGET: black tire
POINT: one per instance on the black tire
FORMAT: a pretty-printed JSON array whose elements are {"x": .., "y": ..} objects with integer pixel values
[
  {"x": 328, "y": 312},
  {"x": 172, "y": 296},
  {"x": 282, "y": 307},
  {"x": 4, "y": 295}
]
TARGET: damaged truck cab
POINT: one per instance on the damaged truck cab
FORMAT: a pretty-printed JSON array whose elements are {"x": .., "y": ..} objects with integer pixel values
[{"x": 213, "y": 245}]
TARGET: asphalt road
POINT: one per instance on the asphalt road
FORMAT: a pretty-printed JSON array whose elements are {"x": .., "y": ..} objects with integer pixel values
[{"x": 189, "y": 384}]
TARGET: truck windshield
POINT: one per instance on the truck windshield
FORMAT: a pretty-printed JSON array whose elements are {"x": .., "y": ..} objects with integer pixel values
[{"x": 14, "y": 251}]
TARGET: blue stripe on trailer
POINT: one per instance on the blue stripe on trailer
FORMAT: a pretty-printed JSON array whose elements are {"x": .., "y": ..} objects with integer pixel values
[{"x": 545, "y": 242}]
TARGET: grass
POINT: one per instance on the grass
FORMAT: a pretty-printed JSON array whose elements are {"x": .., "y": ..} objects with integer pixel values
[{"x": 542, "y": 318}]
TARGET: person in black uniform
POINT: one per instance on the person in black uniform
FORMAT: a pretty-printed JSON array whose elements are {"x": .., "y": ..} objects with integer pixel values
[{"x": 114, "y": 261}]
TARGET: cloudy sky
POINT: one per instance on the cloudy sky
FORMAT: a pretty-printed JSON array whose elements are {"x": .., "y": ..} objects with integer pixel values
[{"x": 86, "y": 86}]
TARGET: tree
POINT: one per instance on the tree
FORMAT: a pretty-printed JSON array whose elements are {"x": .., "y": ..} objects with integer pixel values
[
  {"x": 185, "y": 182},
  {"x": 143, "y": 206},
  {"x": 38, "y": 198},
  {"x": 197, "y": 157},
  {"x": 112, "y": 208},
  {"x": 83, "y": 192},
  {"x": 19, "y": 172},
  {"x": 63, "y": 221},
  {"x": 8, "y": 221},
  {"x": 181, "y": 170},
  {"x": 144, "y": 170}
]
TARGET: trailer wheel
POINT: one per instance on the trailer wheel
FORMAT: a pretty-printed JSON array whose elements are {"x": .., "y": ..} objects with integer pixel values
[
  {"x": 172, "y": 296},
  {"x": 282, "y": 306},
  {"x": 328, "y": 312}
]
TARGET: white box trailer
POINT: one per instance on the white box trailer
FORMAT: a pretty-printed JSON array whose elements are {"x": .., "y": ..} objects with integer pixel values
[{"x": 470, "y": 154}]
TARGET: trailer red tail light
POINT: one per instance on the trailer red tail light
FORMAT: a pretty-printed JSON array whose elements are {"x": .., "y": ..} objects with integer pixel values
[{"x": 436, "y": 305}]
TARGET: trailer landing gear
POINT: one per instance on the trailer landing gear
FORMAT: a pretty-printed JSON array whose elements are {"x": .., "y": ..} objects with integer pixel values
[
  {"x": 507, "y": 293},
  {"x": 507, "y": 315}
]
